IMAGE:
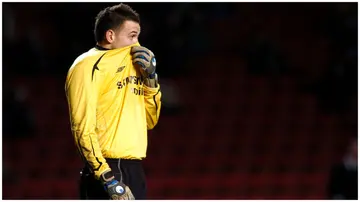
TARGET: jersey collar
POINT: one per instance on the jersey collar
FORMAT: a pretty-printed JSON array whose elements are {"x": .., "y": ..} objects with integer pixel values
[{"x": 100, "y": 48}]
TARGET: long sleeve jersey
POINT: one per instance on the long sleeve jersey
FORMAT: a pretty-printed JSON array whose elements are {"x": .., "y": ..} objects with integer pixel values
[{"x": 110, "y": 107}]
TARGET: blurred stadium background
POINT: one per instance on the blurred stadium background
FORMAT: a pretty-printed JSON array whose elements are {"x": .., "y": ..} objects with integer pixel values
[{"x": 259, "y": 99}]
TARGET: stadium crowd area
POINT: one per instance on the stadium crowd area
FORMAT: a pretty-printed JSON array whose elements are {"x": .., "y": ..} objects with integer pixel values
[{"x": 259, "y": 99}]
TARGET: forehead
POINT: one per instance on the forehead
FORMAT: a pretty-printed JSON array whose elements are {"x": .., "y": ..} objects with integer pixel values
[{"x": 129, "y": 26}]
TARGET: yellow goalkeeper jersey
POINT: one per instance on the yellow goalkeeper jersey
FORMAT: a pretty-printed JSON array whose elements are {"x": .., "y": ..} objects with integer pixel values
[{"x": 110, "y": 107}]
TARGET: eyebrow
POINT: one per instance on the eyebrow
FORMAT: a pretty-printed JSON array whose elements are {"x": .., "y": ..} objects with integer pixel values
[{"x": 134, "y": 31}]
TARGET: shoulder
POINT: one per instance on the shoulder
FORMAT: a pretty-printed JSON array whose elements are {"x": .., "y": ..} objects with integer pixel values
[
  {"x": 117, "y": 54},
  {"x": 103, "y": 59},
  {"x": 112, "y": 59},
  {"x": 86, "y": 60}
]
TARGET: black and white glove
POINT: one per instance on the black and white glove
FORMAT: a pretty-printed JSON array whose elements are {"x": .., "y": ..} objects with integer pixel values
[
  {"x": 115, "y": 189},
  {"x": 145, "y": 61}
]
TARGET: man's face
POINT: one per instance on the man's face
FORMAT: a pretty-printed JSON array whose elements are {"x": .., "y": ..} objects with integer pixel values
[{"x": 126, "y": 35}]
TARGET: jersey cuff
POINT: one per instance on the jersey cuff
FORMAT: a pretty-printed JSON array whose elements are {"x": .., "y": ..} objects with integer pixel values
[
  {"x": 151, "y": 91},
  {"x": 104, "y": 168}
]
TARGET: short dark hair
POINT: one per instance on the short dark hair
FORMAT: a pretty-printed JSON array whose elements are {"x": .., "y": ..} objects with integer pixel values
[{"x": 112, "y": 18}]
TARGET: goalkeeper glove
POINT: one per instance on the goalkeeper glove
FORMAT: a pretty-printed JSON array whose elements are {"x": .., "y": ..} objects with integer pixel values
[
  {"x": 115, "y": 189},
  {"x": 145, "y": 60}
]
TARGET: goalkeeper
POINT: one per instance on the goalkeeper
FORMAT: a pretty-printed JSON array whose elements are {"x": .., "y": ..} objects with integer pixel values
[{"x": 114, "y": 98}]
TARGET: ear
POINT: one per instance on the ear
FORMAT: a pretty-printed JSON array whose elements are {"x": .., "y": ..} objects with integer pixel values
[{"x": 110, "y": 36}]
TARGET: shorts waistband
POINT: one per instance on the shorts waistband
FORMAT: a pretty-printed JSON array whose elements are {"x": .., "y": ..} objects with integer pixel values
[{"x": 111, "y": 160}]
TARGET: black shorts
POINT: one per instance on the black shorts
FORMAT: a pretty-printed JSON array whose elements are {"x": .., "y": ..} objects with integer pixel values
[{"x": 132, "y": 174}]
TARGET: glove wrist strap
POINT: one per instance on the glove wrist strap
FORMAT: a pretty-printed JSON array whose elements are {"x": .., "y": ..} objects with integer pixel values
[
  {"x": 151, "y": 82},
  {"x": 152, "y": 76},
  {"x": 107, "y": 176}
]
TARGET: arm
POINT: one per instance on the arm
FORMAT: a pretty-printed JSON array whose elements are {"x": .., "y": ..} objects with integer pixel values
[
  {"x": 145, "y": 61},
  {"x": 152, "y": 102},
  {"x": 82, "y": 90}
]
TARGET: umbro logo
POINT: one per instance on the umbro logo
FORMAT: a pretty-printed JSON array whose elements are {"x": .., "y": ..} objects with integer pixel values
[{"x": 120, "y": 69}]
